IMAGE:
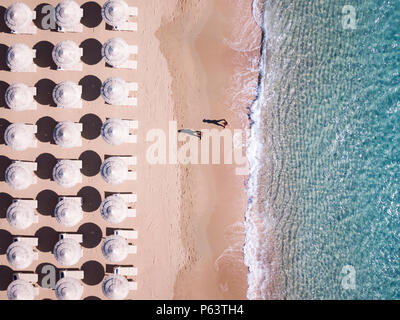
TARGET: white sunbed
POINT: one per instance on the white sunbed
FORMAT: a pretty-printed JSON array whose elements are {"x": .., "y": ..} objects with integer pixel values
[
  {"x": 126, "y": 271},
  {"x": 130, "y": 161},
  {"x": 127, "y": 234},
  {"x": 132, "y": 249},
  {"x": 78, "y": 200},
  {"x": 30, "y": 277},
  {"x": 132, "y": 175},
  {"x": 33, "y": 241},
  {"x": 128, "y": 197},
  {"x": 133, "y": 285},
  {"x": 32, "y": 203},
  {"x": 75, "y": 236},
  {"x": 76, "y": 274}
]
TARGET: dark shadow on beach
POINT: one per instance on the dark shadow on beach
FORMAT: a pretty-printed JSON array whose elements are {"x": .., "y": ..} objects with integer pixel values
[
  {"x": 3, "y": 88},
  {"x": 44, "y": 57},
  {"x": 4, "y": 123},
  {"x": 91, "y": 199},
  {"x": 45, "y": 164},
  {"x": 5, "y": 202},
  {"x": 91, "y": 14},
  {"x": 48, "y": 237},
  {"x": 91, "y": 86},
  {"x": 47, "y": 201},
  {"x": 44, "y": 92},
  {"x": 91, "y": 126},
  {"x": 92, "y": 235},
  {"x": 5, "y": 240},
  {"x": 3, "y": 26},
  {"x": 91, "y": 51},
  {"x": 3, "y": 55},
  {"x": 6, "y": 277},
  {"x": 94, "y": 273},
  {"x": 4, "y": 163},
  {"x": 91, "y": 163},
  {"x": 45, "y": 129}
]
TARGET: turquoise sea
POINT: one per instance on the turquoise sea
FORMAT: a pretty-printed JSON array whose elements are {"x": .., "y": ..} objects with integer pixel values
[{"x": 323, "y": 220}]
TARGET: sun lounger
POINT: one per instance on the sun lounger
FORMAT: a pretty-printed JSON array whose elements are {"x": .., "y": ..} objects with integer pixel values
[
  {"x": 132, "y": 124},
  {"x": 126, "y": 271},
  {"x": 133, "y": 86},
  {"x": 130, "y": 64},
  {"x": 132, "y": 249},
  {"x": 74, "y": 236},
  {"x": 31, "y": 203},
  {"x": 132, "y": 175},
  {"x": 128, "y": 197},
  {"x": 127, "y": 234},
  {"x": 132, "y": 138},
  {"x": 35, "y": 255},
  {"x": 30, "y": 277},
  {"x": 33, "y": 241},
  {"x": 126, "y": 26},
  {"x": 133, "y": 11},
  {"x": 130, "y": 101},
  {"x": 132, "y": 285},
  {"x": 130, "y": 161},
  {"x": 76, "y": 274},
  {"x": 131, "y": 213},
  {"x": 78, "y": 200}
]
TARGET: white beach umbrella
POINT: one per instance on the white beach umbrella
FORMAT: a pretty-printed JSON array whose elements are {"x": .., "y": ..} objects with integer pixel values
[
  {"x": 67, "y": 94},
  {"x": 114, "y": 170},
  {"x": 115, "y": 12},
  {"x": 20, "y": 255},
  {"x": 19, "y": 97},
  {"x": 115, "y": 248},
  {"x": 67, "y": 252},
  {"x": 19, "y": 57},
  {"x": 115, "y": 287},
  {"x": 68, "y": 213},
  {"x": 67, "y": 134},
  {"x": 68, "y": 14},
  {"x": 18, "y": 16},
  {"x": 18, "y": 176},
  {"x": 19, "y": 136},
  {"x": 20, "y": 290},
  {"x": 115, "y": 131},
  {"x": 66, "y": 173},
  {"x": 66, "y": 54},
  {"x": 20, "y": 215},
  {"x": 115, "y": 51},
  {"x": 114, "y": 209},
  {"x": 68, "y": 289},
  {"x": 115, "y": 91}
]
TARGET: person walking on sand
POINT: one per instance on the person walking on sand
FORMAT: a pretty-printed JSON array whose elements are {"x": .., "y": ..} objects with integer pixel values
[
  {"x": 191, "y": 132},
  {"x": 222, "y": 122}
]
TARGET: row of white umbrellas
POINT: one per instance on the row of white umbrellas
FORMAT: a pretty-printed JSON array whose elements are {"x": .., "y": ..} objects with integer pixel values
[
  {"x": 68, "y": 212},
  {"x": 66, "y": 94},
  {"x": 67, "y": 252},
  {"x": 114, "y": 287},
  {"x": 67, "y": 54},
  {"x": 18, "y": 17},
  {"x": 66, "y": 173},
  {"x": 67, "y": 134}
]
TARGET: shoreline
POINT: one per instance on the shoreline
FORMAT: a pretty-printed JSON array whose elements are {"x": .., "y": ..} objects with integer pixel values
[{"x": 213, "y": 240}]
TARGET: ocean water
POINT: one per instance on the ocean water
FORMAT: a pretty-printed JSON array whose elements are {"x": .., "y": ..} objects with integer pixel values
[{"x": 323, "y": 219}]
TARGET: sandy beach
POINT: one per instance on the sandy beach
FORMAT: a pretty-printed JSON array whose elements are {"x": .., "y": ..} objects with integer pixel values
[{"x": 189, "y": 217}]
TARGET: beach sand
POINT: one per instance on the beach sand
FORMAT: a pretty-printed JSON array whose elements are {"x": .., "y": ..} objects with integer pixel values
[{"x": 189, "y": 217}]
